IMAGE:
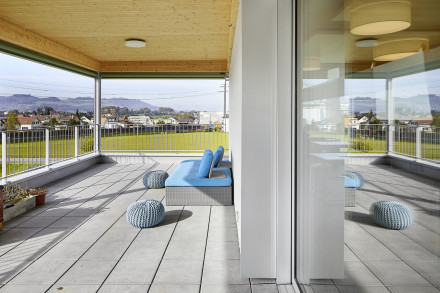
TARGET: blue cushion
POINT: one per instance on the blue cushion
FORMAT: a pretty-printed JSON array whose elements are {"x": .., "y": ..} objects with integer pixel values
[
  {"x": 155, "y": 179},
  {"x": 356, "y": 177},
  {"x": 186, "y": 174},
  {"x": 205, "y": 164},
  {"x": 391, "y": 215},
  {"x": 349, "y": 182},
  {"x": 218, "y": 155},
  {"x": 145, "y": 213}
]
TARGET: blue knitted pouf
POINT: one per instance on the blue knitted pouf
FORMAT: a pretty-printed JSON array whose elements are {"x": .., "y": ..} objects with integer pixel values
[
  {"x": 391, "y": 215},
  {"x": 145, "y": 213},
  {"x": 356, "y": 177},
  {"x": 155, "y": 179}
]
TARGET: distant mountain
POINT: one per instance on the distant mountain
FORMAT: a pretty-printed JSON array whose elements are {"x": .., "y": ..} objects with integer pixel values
[
  {"x": 29, "y": 103},
  {"x": 422, "y": 104}
]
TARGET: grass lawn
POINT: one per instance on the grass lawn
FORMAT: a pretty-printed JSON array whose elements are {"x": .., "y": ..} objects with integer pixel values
[{"x": 142, "y": 142}]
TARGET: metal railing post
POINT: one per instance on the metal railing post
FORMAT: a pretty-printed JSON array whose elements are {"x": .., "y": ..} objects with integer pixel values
[
  {"x": 47, "y": 138},
  {"x": 390, "y": 141},
  {"x": 76, "y": 142},
  {"x": 4, "y": 157},
  {"x": 419, "y": 142},
  {"x": 137, "y": 138}
]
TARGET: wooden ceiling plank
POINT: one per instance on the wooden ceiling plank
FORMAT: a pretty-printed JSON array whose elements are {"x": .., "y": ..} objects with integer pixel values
[
  {"x": 199, "y": 66},
  {"x": 233, "y": 24},
  {"x": 27, "y": 39}
]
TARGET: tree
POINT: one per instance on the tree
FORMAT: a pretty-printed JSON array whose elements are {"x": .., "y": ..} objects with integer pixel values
[
  {"x": 78, "y": 114},
  {"x": 160, "y": 122},
  {"x": 12, "y": 121},
  {"x": 72, "y": 122}
]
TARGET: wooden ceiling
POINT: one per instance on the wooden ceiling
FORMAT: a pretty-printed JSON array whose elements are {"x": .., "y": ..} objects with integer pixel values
[{"x": 181, "y": 35}]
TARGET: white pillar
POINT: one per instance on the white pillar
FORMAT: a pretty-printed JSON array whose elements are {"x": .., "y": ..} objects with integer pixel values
[
  {"x": 97, "y": 129},
  {"x": 390, "y": 115}
]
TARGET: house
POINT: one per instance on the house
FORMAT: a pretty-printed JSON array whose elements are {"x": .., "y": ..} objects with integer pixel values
[
  {"x": 144, "y": 120},
  {"x": 185, "y": 121},
  {"x": 2, "y": 123},
  {"x": 28, "y": 122},
  {"x": 351, "y": 122},
  {"x": 167, "y": 121},
  {"x": 209, "y": 117}
]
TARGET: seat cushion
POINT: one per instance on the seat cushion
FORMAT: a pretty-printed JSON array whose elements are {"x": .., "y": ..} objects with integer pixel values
[
  {"x": 186, "y": 174},
  {"x": 218, "y": 155},
  {"x": 205, "y": 164}
]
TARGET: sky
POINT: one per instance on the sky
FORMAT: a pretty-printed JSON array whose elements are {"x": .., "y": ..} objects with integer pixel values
[{"x": 19, "y": 76}]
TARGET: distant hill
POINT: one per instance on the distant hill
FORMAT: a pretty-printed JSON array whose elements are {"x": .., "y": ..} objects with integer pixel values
[
  {"x": 417, "y": 104},
  {"x": 23, "y": 102}
]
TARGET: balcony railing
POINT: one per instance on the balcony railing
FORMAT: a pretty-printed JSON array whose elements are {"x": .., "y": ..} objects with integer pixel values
[
  {"x": 27, "y": 150},
  {"x": 420, "y": 142}
]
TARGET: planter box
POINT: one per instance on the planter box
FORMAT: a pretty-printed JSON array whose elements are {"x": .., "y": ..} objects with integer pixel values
[{"x": 18, "y": 209}]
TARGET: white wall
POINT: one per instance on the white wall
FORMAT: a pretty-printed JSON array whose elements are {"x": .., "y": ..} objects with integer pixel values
[{"x": 253, "y": 133}]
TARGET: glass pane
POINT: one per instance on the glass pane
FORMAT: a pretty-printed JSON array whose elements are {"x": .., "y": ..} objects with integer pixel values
[{"x": 368, "y": 118}]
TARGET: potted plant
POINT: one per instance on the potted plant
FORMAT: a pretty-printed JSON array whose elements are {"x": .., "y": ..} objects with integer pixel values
[
  {"x": 16, "y": 200},
  {"x": 39, "y": 193}
]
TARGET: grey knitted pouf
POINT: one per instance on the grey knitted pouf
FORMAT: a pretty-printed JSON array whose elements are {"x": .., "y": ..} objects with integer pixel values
[
  {"x": 155, "y": 179},
  {"x": 391, "y": 215},
  {"x": 145, "y": 213}
]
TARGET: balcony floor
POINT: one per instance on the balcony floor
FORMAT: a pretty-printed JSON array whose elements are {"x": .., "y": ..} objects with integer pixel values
[
  {"x": 80, "y": 241},
  {"x": 382, "y": 260}
]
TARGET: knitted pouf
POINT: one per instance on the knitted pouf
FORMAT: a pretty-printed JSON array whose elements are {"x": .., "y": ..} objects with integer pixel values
[
  {"x": 155, "y": 179},
  {"x": 356, "y": 177},
  {"x": 391, "y": 215},
  {"x": 145, "y": 213}
]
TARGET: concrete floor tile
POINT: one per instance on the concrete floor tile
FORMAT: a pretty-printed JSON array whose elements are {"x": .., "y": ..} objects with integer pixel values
[
  {"x": 161, "y": 234},
  {"x": 357, "y": 274},
  {"x": 9, "y": 288},
  {"x": 124, "y": 289},
  {"x": 185, "y": 250},
  {"x": 68, "y": 222},
  {"x": 172, "y": 271},
  {"x": 413, "y": 289},
  {"x": 84, "y": 235},
  {"x": 129, "y": 272},
  {"x": 325, "y": 289},
  {"x": 66, "y": 250},
  {"x": 411, "y": 251},
  {"x": 363, "y": 289},
  {"x": 256, "y": 281},
  {"x": 428, "y": 269},
  {"x": 223, "y": 272},
  {"x": 184, "y": 234},
  {"x": 103, "y": 250},
  {"x": 145, "y": 250},
  {"x": 264, "y": 288},
  {"x": 222, "y": 234},
  {"x": 225, "y": 288},
  {"x": 119, "y": 235},
  {"x": 10, "y": 268},
  {"x": 87, "y": 272},
  {"x": 395, "y": 273},
  {"x": 217, "y": 250},
  {"x": 371, "y": 251},
  {"x": 42, "y": 271},
  {"x": 69, "y": 288},
  {"x": 155, "y": 288}
]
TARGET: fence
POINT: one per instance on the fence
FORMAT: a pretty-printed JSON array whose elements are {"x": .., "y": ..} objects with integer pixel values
[
  {"x": 27, "y": 150},
  {"x": 166, "y": 138},
  {"x": 420, "y": 142}
]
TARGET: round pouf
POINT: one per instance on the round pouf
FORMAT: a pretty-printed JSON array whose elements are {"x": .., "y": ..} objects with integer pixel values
[
  {"x": 155, "y": 179},
  {"x": 145, "y": 213},
  {"x": 391, "y": 215},
  {"x": 358, "y": 179}
]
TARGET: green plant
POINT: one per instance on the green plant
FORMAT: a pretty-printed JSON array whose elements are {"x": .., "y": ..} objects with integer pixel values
[
  {"x": 13, "y": 193},
  {"x": 37, "y": 190},
  {"x": 360, "y": 143}
]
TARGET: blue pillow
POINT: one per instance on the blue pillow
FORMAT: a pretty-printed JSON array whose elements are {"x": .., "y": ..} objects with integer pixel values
[
  {"x": 218, "y": 155},
  {"x": 205, "y": 164}
]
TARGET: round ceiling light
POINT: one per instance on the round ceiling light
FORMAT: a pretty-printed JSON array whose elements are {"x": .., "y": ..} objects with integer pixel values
[
  {"x": 365, "y": 43},
  {"x": 380, "y": 17},
  {"x": 400, "y": 48},
  {"x": 135, "y": 43}
]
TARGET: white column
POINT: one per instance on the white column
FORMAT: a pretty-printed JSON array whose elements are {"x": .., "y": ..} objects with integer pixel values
[
  {"x": 97, "y": 128},
  {"x": 4, "y": 156},
  {"x": 390, "y": 115}
]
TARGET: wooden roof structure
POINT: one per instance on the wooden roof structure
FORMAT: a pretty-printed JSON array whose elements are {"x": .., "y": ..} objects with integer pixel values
[{"x": 194, "y": 36}]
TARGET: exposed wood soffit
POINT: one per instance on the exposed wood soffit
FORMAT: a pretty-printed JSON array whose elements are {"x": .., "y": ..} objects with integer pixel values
[
  {"x": 27, "y": 39},
  {"x": 233, "y": 24},
  {"x": 199, "y": 66}
]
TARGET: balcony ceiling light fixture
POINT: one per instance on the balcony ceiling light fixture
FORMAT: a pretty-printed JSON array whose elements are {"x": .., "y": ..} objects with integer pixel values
[
  {"x": 365, "y": 43},
  {"x": 135, "y": 43},
  {"x": 400, "y": 48},
  {"x": 373, "y": 17}
]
